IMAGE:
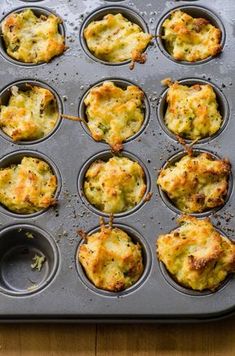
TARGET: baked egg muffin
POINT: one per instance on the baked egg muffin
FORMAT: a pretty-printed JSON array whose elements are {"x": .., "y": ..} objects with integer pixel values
[
  {"x": 111, "y": 260},
  {"x": 196, "y": 183},
  {"x": 114, "y": 114},
  {"x": 32, "y": 39},
  {"x": 28, "y": 186},
  {"x": 190, "y": 39},
  {"x": 196, "y": 254},
  {"x": 29, "y": 114},
  {"x": 115, "y": 39},
  {"x": 116, "y": 185},
  {"x": 192, "y": 111}
]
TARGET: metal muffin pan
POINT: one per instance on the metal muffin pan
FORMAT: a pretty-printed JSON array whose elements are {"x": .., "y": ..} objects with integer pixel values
[{"x": 63, "y": 291}]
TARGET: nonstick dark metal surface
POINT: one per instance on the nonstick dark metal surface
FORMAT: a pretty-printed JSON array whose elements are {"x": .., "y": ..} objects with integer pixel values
[{"x": 62, "y": 291}]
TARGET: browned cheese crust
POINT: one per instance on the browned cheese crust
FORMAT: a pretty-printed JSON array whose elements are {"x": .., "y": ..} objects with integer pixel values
[
  {"x": 111, "y": 260},
  {"x": 116, "y": 39},
  {"x": 115, "y": 186},
  {"x": 32, "y": 39},
  {"x": 27, "y": 187},
  {"x": 29, "y": 115},
  {"x": 192, "y": 111},
  {"x": 196, "y": 183},
  {"x": 196, "y": 254},
  {"x": 114, "y": 114},
  {"x": 190, "y": 39}
]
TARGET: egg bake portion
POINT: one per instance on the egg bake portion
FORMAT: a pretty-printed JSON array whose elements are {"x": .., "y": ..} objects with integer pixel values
[
  {"x": 114, "y": 114},
  {"x": 196, "y": 183},
  {"x": 32, "y": 39},
  {"x": 190, "y": 39},
  {"x": 196, "y": 254},
  {"x": 116, "y": 39},
  {"x": 29, "y": 114},
  {"x": 192, "y": 111},
  {"x": 116, "y": 185},
  {"x": 28, "y": 186},
  {"x": 111, "y": 260}
]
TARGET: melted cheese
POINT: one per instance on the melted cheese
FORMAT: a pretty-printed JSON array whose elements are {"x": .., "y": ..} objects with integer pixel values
[
  {"x": 196, "y": 254},
  {"x": 112, "y": 261},
  {"x": 29, "y": 115},
  {"x": 116, "y": 39},
  {"x": 32, "y": 39},
  {"x": 27, "y": 187},
  {"x": 190, "y": 39},
  {"x": 115, "y": 186},
  {"x": 114, "y": 114},
  {"x": 196, "y": 183},
  {"x": 192, "y": 112}
]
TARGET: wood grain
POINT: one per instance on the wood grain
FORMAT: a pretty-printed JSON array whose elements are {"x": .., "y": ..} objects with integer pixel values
[
  {"x": 48, "y": 340},
  {"x": 187, "y": 339},
  {"x": 213, "y": 339}
]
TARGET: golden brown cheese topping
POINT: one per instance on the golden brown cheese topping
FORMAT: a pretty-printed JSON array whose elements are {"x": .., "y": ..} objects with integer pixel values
[
  {"x": 192, "y": 111},
  {"x": 190, "y": 39},
  {"x": 29, "y": 115},
  {"x": 196, "y": 254},
  {"x": 114, "y": 114},
  {"x": 111, "y": 260},
  {"x": 27, "y": 187},
  {"x": 196, "y": 183},
  {"x": 116, "y": 39},
  {"x": 32, "y": 39},
  {"x": 115, "y": 186}
]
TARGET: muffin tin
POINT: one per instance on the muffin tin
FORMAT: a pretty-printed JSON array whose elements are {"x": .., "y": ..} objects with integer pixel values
[{"x": 60, "y": 290}]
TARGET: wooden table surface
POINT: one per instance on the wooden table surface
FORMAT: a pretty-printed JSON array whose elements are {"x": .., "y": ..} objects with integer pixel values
[{"x": 217, "y": 339}]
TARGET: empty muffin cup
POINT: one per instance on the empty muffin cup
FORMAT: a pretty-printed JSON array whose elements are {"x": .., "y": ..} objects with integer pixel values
[{"x": 28, "y": 259}]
